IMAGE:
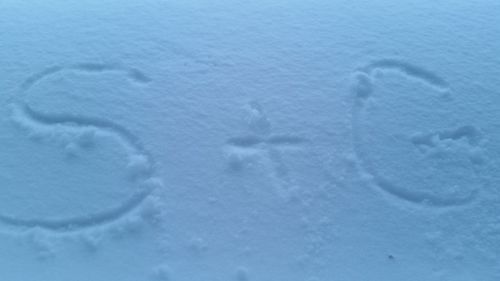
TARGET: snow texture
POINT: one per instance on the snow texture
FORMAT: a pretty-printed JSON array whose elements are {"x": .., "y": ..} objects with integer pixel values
[{"x": 323, "y": 140}]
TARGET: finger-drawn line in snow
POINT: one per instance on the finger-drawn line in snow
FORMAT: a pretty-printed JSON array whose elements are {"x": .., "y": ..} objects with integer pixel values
[
  {"x": 267, "y": 146},
  {"x": 131, "y": 73},
  {"x": 410, "y": 70},
  {"x": 469, "y": 133},
  {"x": 74, "y": 129},
  {"x": 365, "y": 79},
  {"x": 254, "y": 142}
]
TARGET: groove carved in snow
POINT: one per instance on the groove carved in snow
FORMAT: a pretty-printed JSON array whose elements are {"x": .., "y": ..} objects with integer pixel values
[
  {"x": 406, "y": 138},
  {"x": 269, "y": 148},
  {"x": 104, "y": 149}
]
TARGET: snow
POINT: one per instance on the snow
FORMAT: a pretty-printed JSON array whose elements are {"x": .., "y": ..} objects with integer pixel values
[{"x": 253, "y": 140}]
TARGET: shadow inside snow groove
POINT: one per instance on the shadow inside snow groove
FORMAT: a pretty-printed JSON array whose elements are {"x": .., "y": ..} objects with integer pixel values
[
  {"x": 59, "y": 124},
  {"x": 132, "y": 74},
  {"x": 363, "y": 89}
]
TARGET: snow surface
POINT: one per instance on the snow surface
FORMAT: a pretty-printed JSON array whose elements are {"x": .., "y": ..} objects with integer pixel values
[{"x": 321, "y": 140}]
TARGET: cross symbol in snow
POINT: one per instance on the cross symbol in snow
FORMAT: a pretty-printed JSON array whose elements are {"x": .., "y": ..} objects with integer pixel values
[{"x": 261, "y": 143}]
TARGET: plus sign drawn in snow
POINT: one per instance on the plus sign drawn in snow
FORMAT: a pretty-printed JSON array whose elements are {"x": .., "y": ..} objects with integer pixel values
[
  {"x": 408, "y": 139},
  {"x": 83, "y": 170},
  {"x": 260, "y": 145}
]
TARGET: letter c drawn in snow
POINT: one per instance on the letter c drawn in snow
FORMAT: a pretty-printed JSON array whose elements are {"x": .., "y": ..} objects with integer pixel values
[{"x": 406, "y": 137}]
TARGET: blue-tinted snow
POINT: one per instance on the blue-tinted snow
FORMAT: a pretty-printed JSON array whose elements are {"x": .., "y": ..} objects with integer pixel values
[{"x": 249, "y": 140}]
